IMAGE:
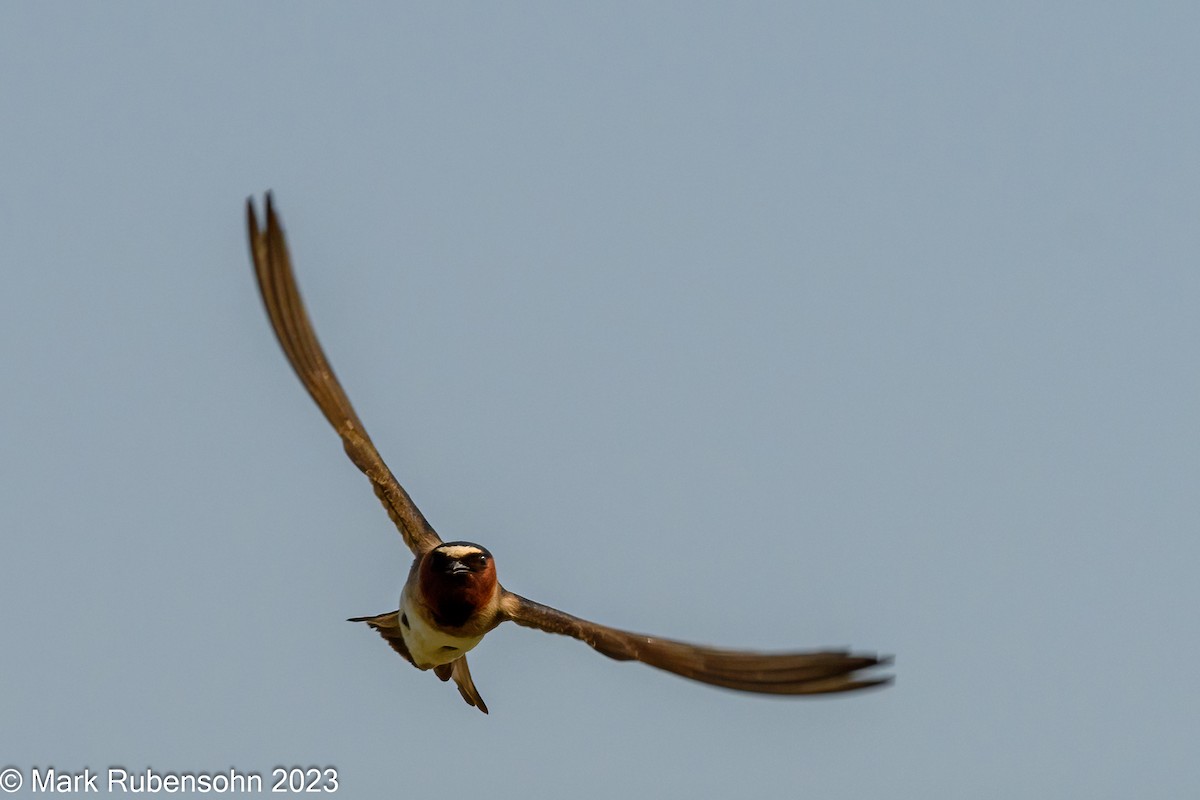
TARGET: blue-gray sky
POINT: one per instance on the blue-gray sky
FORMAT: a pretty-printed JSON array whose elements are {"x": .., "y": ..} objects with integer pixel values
[{"x": 776, "y": 325}]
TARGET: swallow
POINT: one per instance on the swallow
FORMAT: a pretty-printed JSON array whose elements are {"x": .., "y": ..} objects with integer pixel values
[{"x": 452, "y": 598}]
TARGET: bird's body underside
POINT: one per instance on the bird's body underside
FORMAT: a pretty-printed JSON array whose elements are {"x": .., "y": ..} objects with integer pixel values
[{"x": 452, "y": 597}]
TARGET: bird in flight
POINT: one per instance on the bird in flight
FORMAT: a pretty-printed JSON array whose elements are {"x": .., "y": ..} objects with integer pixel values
[{"x": 452, "y": 598}]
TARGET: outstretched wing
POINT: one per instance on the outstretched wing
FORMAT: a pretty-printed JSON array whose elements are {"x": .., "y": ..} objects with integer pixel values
[
  {"x": 281, "y": 296},
  {"x": 822, "y": 672}
]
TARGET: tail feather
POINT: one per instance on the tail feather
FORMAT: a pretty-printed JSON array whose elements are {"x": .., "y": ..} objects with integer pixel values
[
  {"x": 466, "y": 687},
  {"x": 388, "y": 626}
]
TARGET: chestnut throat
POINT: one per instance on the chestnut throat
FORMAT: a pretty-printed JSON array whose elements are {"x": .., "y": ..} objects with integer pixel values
[
  {"x": 453, "y": 612},
  {"x": 452, "y": 604}
]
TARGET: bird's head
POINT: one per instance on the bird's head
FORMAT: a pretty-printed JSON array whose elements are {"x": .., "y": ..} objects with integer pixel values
[{"x": 457, "y": 580}]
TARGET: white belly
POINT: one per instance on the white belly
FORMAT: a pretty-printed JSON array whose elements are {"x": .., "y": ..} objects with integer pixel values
[{"x": 429, "y": 646}]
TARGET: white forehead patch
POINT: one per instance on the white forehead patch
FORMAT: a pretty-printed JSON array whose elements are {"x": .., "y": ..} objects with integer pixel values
[{"x": 459, "y": 550}]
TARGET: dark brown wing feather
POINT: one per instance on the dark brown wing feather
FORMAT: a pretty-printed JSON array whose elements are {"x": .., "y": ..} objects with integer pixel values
[
  {"x": 767, "y": 673},
  {"x": 281, "y": 296},
  {"x": 388, "y": 626}
]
